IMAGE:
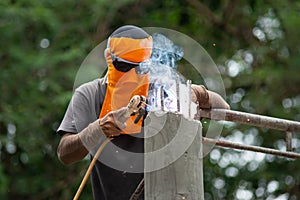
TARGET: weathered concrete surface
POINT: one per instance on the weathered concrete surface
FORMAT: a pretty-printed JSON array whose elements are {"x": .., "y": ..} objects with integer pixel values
[{"x": 173, "y": 146}]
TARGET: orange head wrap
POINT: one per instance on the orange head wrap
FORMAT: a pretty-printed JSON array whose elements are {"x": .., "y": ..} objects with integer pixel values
[{"x": 133, "y": 45}]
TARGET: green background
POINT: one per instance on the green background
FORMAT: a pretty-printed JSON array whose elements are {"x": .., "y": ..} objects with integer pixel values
[{"x": 254, "y": 43}]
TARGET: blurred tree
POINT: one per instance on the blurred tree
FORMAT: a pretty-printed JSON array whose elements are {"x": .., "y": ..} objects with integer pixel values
[{"x": 254, "y": 43}]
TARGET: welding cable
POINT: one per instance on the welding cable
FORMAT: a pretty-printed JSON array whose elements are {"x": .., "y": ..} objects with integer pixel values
[
  {"x": 89, "y": 170},
  {"x": 138, "y": 191},
  {"x": 130, "y": 109}
]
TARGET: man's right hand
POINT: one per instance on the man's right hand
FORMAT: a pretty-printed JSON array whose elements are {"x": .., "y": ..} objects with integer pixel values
[
  {"x": 113, "y": 122},
  {"x": 74, "y": 147}
]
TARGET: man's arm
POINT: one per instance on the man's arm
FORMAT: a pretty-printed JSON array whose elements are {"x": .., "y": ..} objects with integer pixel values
[
  {"x": 216, "y": 101},
  {"x": 71, "y": 149},
  {"x": 207, "y": 99},
  {"x": 80, "y": 122},
  {"x": 74, "y": 147}
]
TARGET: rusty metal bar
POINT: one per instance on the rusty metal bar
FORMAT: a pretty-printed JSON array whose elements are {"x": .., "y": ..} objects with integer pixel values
[
  {"x": 288, "y": 140},
  {"x": 227, "y": 144},
  {"x": 252, "y": 119}
]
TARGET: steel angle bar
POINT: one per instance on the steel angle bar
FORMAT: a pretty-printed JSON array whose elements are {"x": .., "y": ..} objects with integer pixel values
[
  {"x": 228, "y": 144},
  {"x": 252, "y": 119}
]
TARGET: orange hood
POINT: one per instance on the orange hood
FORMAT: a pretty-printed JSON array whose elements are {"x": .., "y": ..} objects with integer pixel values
[{"x": 122, "y": 86}]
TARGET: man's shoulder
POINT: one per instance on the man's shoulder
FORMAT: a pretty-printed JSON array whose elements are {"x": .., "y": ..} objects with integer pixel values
[{"x": 94, "y": 86}]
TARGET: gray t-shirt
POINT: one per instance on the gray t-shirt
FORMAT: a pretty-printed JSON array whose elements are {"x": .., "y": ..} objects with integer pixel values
[
  {"x": 84, "y": 107},
  {"x": 108, "y": 183}
]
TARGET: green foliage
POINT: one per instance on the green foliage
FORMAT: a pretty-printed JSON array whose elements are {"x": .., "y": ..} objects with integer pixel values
[{"x": 254, "y": 43}]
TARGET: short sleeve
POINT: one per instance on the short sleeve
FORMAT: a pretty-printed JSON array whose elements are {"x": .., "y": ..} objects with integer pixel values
[
  {"x": 68, "y": 123},
  {"x": 82, "y": 110}
]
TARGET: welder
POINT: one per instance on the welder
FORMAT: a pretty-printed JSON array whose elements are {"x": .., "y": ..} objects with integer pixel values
[{"x": 103, "y": 107}]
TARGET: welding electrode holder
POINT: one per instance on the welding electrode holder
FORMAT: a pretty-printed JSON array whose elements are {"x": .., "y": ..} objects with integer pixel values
[{"x": 141, "y": 111}]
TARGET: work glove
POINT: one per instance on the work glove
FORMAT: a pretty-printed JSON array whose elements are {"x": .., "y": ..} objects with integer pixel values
[
  {"x": 206, "y": 99},
  {"x": 199, "y": 95},
  {"x": 113, "y": 122}
]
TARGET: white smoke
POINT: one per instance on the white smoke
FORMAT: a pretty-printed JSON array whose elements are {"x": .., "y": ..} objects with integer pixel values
[{"x": 167, "y": 90}]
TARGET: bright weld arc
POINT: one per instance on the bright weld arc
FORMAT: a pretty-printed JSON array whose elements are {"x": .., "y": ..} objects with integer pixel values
[{"x": 148, "y": 107}]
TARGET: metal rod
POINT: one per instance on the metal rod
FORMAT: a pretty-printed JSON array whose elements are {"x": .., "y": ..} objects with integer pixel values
[
  {"x": 288, "y": 138},
  {"x": 252, "y": 119},
  {"x": 156, "y": 97},
  {"x": 178, "y": 93},
  {"x": 228, "y": 144},
  {"x": 162, "y": 98},
  {"x": 189, "y": 84}
]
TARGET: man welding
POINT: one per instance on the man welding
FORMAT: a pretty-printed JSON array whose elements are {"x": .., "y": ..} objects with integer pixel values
[{"x": 103, "y": 107}]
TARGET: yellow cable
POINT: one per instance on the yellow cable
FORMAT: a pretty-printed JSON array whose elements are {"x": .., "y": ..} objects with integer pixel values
[{"x": 88, "y": 172}]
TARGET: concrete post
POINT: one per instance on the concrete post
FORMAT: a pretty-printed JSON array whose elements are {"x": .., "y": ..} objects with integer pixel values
[{"x": 173, "y": 152}]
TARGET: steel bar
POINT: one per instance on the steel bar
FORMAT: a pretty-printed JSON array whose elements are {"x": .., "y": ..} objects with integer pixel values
[
  {"x": 288, "y": 139},
  {"x": 178, "y": 93},
  {"x": 189, "y": 85},
  {"x": 156, "y": 97},
  {"x": 162, "y": 98},
  {"x": 227, "y": 144},
  {"x": 252, "y": 119}
]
